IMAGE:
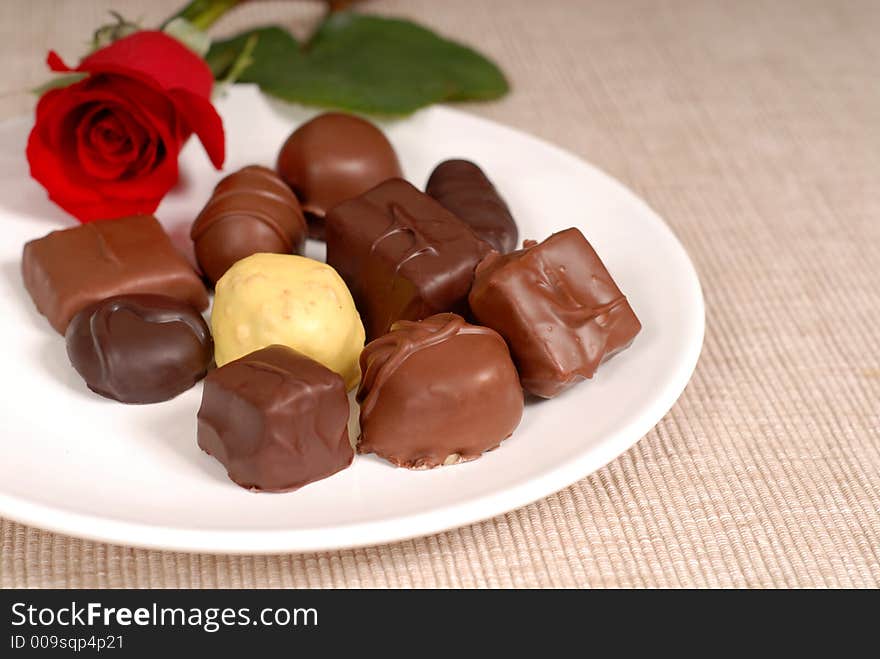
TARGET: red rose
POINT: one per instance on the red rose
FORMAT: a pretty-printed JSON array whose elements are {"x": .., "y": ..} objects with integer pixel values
[{"x": 107, "y": 146}]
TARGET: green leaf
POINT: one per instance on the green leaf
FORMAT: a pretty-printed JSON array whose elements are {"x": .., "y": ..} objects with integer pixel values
[
  {"x": 242, "y": 61},
  {"x": 268, "y": 43},
  {"x": 364, "y": 64}
]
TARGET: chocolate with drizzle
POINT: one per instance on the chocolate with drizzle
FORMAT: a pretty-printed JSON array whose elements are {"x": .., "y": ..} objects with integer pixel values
[
  {"x": 402, "y": 254},
  {"x": 250, "y": 211},
  {"x": 139, "y": 348},
  {"x": 436, "y": 392},
  {"x": 557, "y": 307}
]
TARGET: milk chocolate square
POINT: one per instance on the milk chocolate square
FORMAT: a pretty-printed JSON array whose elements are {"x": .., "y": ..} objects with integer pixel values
[
  {"x": 402, "y": 255},
  {"x": 558, "y": 309},
  {"x": 67, "y": 270}
]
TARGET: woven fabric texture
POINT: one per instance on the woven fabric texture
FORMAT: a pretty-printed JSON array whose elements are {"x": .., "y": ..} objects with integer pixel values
[{"x": 753, "y": 128}]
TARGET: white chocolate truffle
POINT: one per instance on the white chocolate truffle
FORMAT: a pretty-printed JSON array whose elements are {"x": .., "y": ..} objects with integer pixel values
[{"x": 266, "y": 299}]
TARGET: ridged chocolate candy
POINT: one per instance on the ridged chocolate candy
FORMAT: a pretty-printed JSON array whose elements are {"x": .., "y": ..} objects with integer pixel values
[
  {"x": 139, "y": 348},
  {"x": 334, "y": 157},
  {"x": 276, "y": 419},
  {"x": 435, "y": 392},
  {"x": 557, "y": 307},
  {"x": 461, "y": 187},
  {"x": 250, "y": 211}
]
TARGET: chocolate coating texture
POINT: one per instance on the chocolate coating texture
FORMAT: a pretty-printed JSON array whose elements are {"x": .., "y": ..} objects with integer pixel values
[
  {"x": 402, "y": 255},
  {"x": 334, "y": 157},
  {"x": 436, "y": 392},
  {"x": 139, "y": 348},
  {"x": 276, "y": 419},
  {"x": 462, "y": 187},
  {"x": 70, "y": 269},
  {"x": 250, "y": 211},
  {"x": 558, "y": 309}
]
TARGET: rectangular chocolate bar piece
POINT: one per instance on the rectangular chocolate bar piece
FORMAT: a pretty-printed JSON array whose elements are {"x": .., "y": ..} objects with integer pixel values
[
  {"x": 276, "y": 419},
  {"x": 70, "y": 269},
  {"x": 557, "y": 307},
  {"x": 402, "y": 255}
]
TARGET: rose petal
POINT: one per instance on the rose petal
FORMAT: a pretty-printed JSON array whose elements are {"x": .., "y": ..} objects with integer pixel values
[
  {"x": 202, "y": 118},
  {"x": 108, "y": 145},
  {"x": 155, "y": 58},
  {"x": 51, "y": 147},
  {"x": 118, "y": 138},
  {"x": 93, "y": 159},
  {"x": 111, "y": 137},
  {"x": 152, "y": 112},
  {"x": 55, "y": 63},
  {"x": 47, "y": 168}
]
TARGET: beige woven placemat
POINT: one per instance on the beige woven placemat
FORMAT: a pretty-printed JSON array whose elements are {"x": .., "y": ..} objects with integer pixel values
[{"x": 754, "y": 129}]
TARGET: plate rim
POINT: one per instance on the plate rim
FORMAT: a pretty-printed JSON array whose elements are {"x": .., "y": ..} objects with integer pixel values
[{"x": 412, "y": 525}]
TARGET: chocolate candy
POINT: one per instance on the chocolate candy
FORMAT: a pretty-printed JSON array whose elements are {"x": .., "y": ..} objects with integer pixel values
[
  {"x": 276, "y": 420},
  {"x": 437, "y": 392},
  {"x": 139, "y": 348},
  {"x": 558, "y": 308},
  {"x": 250, "y": 211},
  {"x": 73, "y": 268},
  {"x": 289, "y": 300},
  {"x": 402, "y": 255},
  {"x": 332, "y": 158},
  {"x": 463, "y": 188}
]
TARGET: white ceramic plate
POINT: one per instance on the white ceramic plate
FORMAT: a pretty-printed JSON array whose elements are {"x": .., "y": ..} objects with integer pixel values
[{"x": 76, "y": 463}]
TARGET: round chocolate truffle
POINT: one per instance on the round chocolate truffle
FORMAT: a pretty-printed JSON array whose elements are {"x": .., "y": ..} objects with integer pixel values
[
  {"x": 437, "y": 392},
  {"x": 139, "y": 348},
  {"x": 332, "y": 158},
  {"x": 289, "y": 300},
  {"x": 250, "y": 211}
]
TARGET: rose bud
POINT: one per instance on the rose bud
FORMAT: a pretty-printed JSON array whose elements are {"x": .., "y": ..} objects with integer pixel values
[{"x": 107, "y": 146}]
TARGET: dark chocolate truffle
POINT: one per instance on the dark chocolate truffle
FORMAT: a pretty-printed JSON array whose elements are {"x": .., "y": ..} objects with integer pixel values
[
  {"x": 334, "y": 157},
  {"x": 139, "y": 348},
  {"x": 558, "y": 309},
  {"x": 402, "y": 255},
  {"x": 276, "y": 419},
  {"x": 250, "y": 211},
  {"x": 462, "y": 188},
  {"x": 70, "y": 269},
  {"x": 437, "y": 392}
]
